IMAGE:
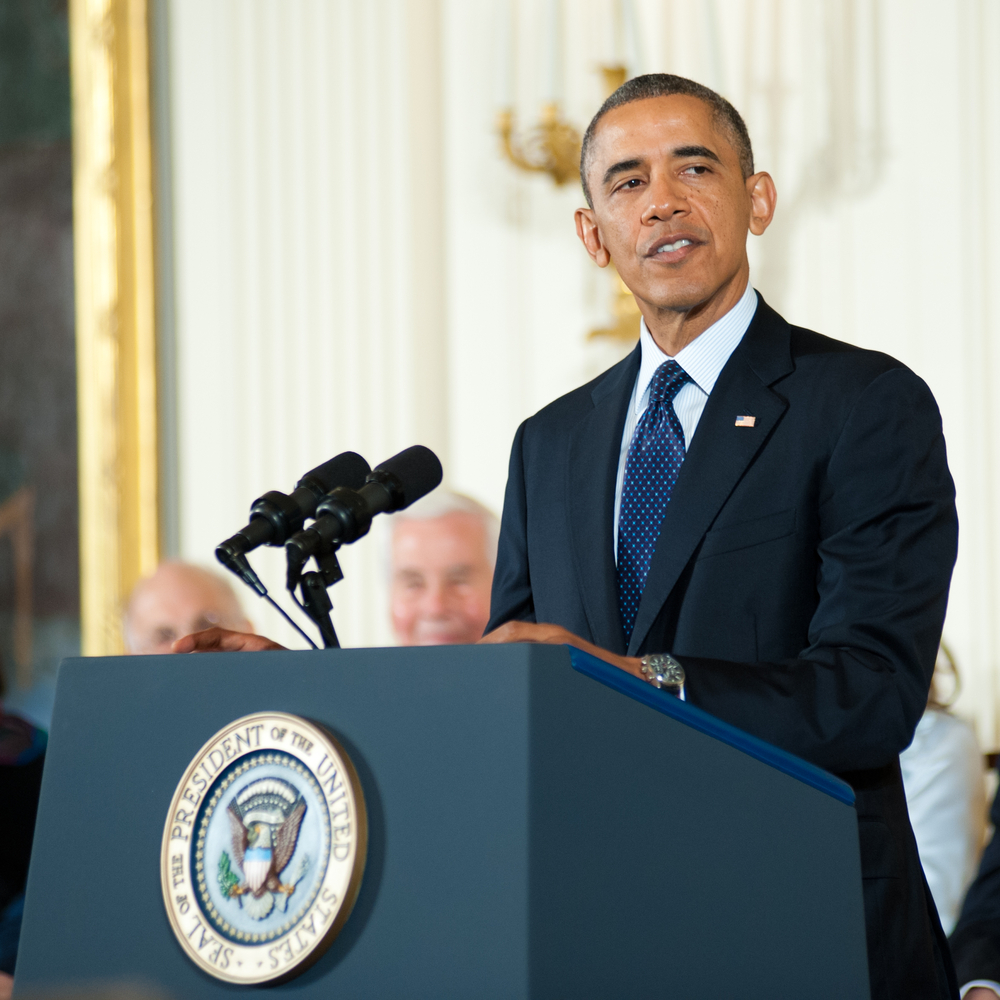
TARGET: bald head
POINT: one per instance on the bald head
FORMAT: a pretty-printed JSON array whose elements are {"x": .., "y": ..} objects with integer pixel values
[{"x": 176, "y": 600}]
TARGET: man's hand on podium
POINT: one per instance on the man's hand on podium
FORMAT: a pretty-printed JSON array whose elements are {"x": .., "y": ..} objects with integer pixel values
[
  {"x": 223, "y": 640},
  {"x": 556, "y": 635}
]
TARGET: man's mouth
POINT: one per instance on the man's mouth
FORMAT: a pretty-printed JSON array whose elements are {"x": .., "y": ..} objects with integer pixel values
[
  {"x": 671, "y": 247},
  {"x": 674, "y": 248}
]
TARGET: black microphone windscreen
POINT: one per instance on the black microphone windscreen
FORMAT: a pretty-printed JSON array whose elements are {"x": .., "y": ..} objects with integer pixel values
[
  {"x": 348, "y": 469},
  {"x": 417, "y": 471}
]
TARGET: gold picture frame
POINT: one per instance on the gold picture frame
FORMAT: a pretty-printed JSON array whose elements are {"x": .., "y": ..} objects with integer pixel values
[{"x": 115, "y": 311}]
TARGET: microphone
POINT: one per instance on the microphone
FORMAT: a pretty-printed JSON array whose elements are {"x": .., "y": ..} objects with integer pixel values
[
  {"x": 275, "y": 516},
  {"x": 345, "y": 514}
]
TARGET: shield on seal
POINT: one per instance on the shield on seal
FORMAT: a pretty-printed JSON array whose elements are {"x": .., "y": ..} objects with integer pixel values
[{"x": 256, "y": 865}]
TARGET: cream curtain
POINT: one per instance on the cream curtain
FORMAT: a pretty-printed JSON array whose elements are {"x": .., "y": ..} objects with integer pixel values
[{"x": 356, "y": 267}]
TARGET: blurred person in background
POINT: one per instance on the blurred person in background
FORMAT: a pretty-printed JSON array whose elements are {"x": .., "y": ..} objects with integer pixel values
[
  {"x": 178, "y": 599},
  {"x": 442, "y": 552},
  {"x": 22, "y": 757},
  {"x": 975, "y": 942},
  {"x": 175, "y": 600},
  {"x": 943, "y": 780}
]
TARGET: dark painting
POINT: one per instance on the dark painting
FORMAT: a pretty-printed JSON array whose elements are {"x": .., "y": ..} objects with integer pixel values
[{"x": 39, "y": 550}]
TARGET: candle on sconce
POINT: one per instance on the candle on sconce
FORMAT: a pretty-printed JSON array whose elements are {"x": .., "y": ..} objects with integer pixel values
[
  {"x": 552, "y": 53},
  {"x": 631, "y": 40},
  {"x": 615, "y": 67},
  {"x": 504, "y": 95},
  {"x": 614, "y": 54}
]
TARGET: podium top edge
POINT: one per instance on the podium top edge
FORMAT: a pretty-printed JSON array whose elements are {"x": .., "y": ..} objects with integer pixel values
[{"x": 696, "y": 718}]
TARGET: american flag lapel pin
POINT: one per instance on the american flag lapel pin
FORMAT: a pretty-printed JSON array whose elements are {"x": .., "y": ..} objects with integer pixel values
[{"x": 745, "y": 421}]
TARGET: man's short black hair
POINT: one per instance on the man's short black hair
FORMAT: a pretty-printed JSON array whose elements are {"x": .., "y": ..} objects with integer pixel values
[{"x": 639, "y": 88}]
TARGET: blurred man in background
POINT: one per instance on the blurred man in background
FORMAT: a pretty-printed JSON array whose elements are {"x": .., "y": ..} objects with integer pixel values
[
  {"x": 22, "y": 757},
  {"x": 176, "y": 600},
  {"x": 442, "y": 553},
  {"x": 975, "y": 942}
]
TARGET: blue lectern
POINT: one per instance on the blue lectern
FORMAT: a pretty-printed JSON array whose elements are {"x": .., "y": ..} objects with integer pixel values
[{"x": 539, "y": 825}]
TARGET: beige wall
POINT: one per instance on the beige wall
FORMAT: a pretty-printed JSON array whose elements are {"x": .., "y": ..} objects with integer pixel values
[{"x": 357, "y": 268}]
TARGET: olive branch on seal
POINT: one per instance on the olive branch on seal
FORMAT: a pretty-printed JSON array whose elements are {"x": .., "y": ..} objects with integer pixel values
[{"x": 228, "y": 879}]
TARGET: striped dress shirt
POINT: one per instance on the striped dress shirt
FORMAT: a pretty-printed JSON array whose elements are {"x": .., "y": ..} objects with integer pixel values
[{"x": 703, "y": 359}]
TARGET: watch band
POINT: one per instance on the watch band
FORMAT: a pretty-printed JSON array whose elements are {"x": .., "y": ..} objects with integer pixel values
[{"x": 663, "y": 671}]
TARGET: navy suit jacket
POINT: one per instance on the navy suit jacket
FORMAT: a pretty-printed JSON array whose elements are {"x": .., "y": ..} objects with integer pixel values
[{"x": 800, "y": 576}]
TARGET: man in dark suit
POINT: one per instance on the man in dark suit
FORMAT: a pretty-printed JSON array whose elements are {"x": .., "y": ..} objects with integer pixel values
[
  {"x": 769, "y": 506},
  {"x": 975, "y": 942}
]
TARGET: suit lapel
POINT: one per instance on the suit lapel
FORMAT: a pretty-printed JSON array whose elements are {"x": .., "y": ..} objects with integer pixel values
[
  {"x": 719, "y": 455},
  {"x": 594, "y": 450}
]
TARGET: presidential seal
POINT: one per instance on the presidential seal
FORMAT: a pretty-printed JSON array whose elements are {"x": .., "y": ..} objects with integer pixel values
[{"x": 263, "y": 848}]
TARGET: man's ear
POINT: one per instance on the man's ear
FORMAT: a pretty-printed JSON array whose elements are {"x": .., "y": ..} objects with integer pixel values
[
  {"x": 590, "y": 236},
  {"x": 763, "y": 199}
]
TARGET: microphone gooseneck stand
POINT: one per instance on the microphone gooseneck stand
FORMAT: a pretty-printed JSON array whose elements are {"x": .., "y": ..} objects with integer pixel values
[
  {"x": 316, "y": 601},
  {"x": 342, "y": 496},
  {"x": 275, "y": 516},
  {"x": 345, "y": 515}
]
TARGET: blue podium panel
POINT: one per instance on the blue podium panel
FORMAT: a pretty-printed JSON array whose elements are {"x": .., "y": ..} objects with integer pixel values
[{"x": 535, "y": 830}]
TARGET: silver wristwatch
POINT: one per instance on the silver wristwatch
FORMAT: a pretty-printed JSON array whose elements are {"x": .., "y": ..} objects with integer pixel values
[{"x": 663, "y": 671}]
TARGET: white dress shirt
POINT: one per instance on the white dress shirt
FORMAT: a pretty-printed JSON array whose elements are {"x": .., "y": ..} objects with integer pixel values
[
  {"x": 988, "y": 983},
  {"x": 703, "y": 359}
]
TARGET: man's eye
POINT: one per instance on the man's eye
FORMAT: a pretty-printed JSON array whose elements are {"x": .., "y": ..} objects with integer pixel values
[
  {"x": 696, "y": 168},
  {"x": 630, "y": 184}
]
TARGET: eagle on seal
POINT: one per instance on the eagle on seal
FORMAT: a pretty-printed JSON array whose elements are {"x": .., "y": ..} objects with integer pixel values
[{"x": 265, "y": 817}]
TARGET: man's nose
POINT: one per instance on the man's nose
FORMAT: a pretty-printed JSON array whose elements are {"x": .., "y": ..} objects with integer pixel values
[
  {"x": 434, "y": 599},
  {"x": 666, "y": 197}
]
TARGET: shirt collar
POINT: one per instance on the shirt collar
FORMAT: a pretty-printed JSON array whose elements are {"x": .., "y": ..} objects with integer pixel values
[{"x": 705, "y": 357}]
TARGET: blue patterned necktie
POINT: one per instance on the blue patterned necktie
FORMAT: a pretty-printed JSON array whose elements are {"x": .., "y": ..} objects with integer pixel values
[{"x": 651, "y": 468}]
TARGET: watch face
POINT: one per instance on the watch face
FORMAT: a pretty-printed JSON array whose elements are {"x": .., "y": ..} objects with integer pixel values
[
  {"x": 662, "y": 670},
  {"x": 673, "y": 674}
]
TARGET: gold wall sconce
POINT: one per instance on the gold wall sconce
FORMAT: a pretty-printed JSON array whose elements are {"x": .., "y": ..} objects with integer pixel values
[
  {"x": 625, "y": 328},
  {"x": 551, "y": 147},
  {"x": 614, "y": 77}
]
